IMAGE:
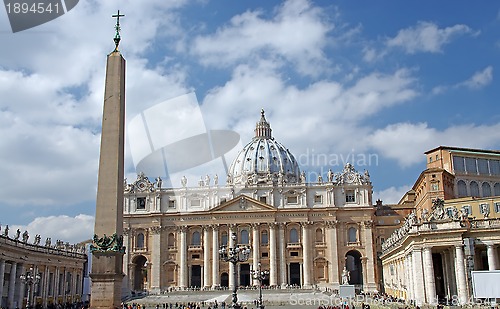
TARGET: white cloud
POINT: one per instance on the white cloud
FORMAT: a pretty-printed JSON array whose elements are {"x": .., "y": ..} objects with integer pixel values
[
  {"x": 68, "y": 229},
  {"x": 406, "y": 142},
  {"x": 391, "y": 195},
  {"x": 427, "y": 37},
  {"x": 479, "y": 79},
  {"x": 297, "y": 33}
]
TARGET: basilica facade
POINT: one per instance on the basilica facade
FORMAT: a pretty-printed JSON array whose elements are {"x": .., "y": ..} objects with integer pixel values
[{"x": 304, "y": 233}]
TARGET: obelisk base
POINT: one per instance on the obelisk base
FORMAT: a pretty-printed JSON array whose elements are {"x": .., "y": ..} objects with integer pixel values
[{"x": 106, "y": 284}]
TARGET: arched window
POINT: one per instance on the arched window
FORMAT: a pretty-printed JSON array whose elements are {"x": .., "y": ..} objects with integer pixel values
[
  {"x": 140, "y": 241},
  {"x": 474, "y": 189},
  {"x": 461, "y": 188},
  {"x": 319, "y": 235},
  {"x": 171, "y": 240},
  {"x": 294, "y": 236},
  {"x": 224, "y": 238},
  {"x": 497, "y": 189},
  {"x": 486, "y": 189},
  {"x": 264, "y": 239},
  {"x": 244, "y": 237},
  {"x": 196, "y": 239},
  {"x": 351, "y": 235}
]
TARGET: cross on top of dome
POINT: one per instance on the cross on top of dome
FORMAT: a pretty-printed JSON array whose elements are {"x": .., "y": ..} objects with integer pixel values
[{"x": 263, "y": 128}]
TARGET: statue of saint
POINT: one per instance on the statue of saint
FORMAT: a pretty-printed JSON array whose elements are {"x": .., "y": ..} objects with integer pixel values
[
  {"x": 330, "y": 175},
  {"x": 184, "y": 181},
  {"x": 345, "y": 276}
]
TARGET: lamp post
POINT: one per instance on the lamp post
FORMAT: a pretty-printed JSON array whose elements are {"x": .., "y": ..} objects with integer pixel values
[
  {"x": 31, "y": 280},
  {"x": 260, "y": 275},
  {"x": 234, "y": 255}
]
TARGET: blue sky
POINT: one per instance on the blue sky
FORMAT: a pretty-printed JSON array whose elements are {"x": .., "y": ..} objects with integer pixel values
[{"x": 386, "y": 78}]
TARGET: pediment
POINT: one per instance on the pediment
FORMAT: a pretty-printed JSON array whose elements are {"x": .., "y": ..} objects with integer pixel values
[{"x": 243, "y": 203}]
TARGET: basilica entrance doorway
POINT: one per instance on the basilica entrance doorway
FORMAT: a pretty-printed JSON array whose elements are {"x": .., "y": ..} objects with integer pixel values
[
  {"x": 224, "y": 280},
  {"x": 295, "y": 274},
  {"x": 245, "y": 274},
  {"x": 139, "y": 273},
  {"x": 353, "y": 264},
  {"x": 196, "y": 276}
]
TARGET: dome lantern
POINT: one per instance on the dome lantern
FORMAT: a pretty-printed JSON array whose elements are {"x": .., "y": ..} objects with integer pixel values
[{"x": 263, "y": 128}]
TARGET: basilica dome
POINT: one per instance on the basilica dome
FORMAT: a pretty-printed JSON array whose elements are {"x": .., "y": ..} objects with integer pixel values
[{"x": 264, "y": 160}]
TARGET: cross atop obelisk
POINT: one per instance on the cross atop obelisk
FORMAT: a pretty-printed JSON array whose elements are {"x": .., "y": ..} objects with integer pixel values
[
  {"x": 117, "y": 28},
  {"x": 107, "y": 247}
]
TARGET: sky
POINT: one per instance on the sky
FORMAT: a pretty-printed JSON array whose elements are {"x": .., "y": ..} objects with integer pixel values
[{"x": 376, "y": 83}]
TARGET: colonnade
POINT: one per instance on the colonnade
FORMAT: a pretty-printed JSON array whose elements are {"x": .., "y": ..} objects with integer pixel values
[
  {"x": 412, "y": 275},
  {"x": 56, "y": 285}
]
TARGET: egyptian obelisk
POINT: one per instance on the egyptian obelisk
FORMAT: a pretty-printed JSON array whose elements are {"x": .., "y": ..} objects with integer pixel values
[{"x": 107, "y": 248}]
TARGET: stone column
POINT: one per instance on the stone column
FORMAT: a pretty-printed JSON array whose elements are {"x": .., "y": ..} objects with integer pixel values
[
  {"x": 155, "y": 262},
  {"x": 460, "y": 273},
  {"x": 334, "y": 253},
  {"x": 273, "y": 278},
  {"x": 446, "y": 273},
  {"x": 45, "y": 290},
  {"x": 183, "y": 272},
  {"x": 206, "y": 256},
  {"x": 491, "y": 252},
  {"x": 306, "y": 247},
  {"x": 430, "y": 282},
  {"x": 19, "y": 285},
  {"x": 12, "y": 285},
  {"x": 282, "y": 250},
  {"x": 126, "y": 258},
  {"x": 2, "y": 275},
  {"x": 411, "y": 284},
  {"x": 215, "y": 256},
  {"x": 256, "y": 251},
  {"x": 232, "y": 244},
  {"x": 369, "y": 285},
  {"x": 418, "y": 276}
]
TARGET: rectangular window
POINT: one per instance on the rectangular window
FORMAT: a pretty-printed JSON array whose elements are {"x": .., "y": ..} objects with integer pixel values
[
  {"x": 263, "y": 199},
  {"x": 195, "y": 203},
  {"x": 294, "y": 253},
  {"x": 171, "y": 204},
  {"x": 495, "y": 167},
  {"x": 484, "y": 208},
  {"x": 482, "y": 166},
  {"x": 195, "y": 256},
  {"x": 265, "y": 254},
  {"x": 318, "y": 199},
  {"x": 458, "y": 164},
  {"x": 141, "y": 203},
  {"x": 497, "y": 207},
  {"x": 467, "y": 209},
  {"x": 292, "y": 200},
  {"x": 470, "y": 165},
  {"x": 349, "y": 196},
  {"x": 434, "y": 186},
  {"x": 449, "y": 211}
]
